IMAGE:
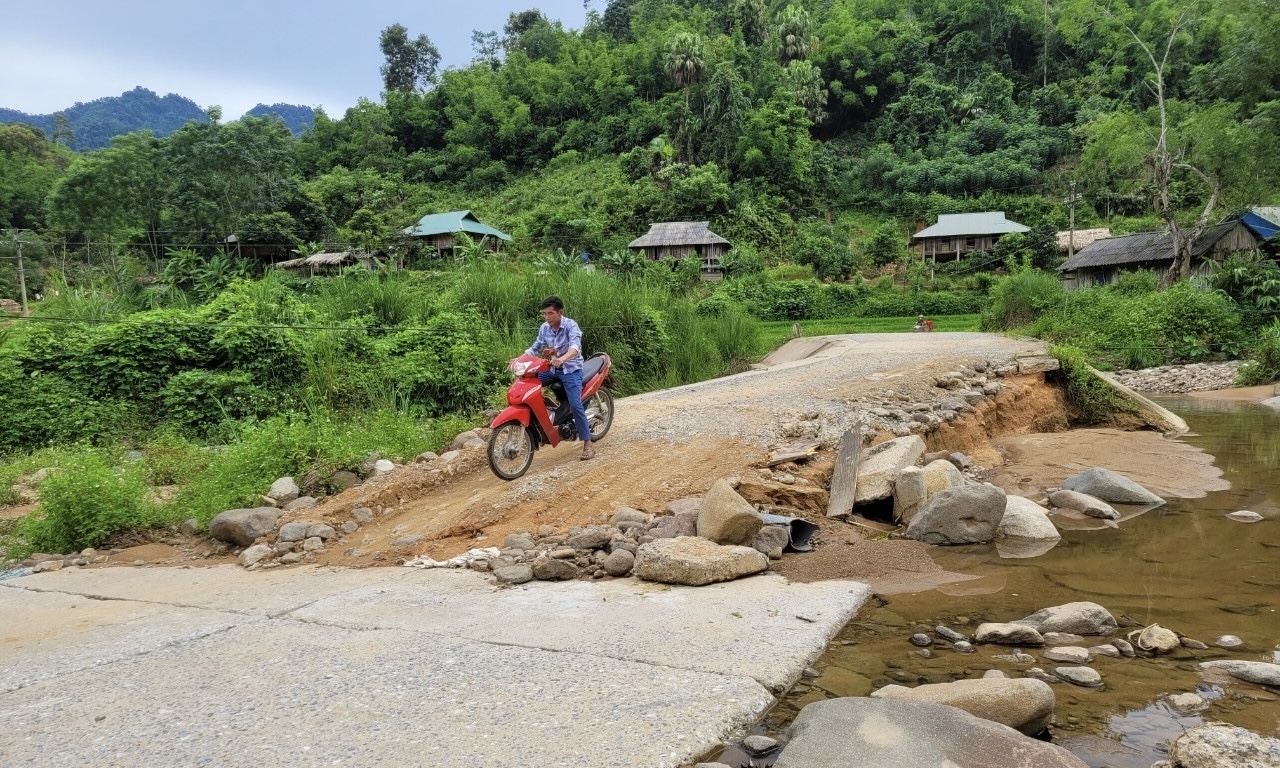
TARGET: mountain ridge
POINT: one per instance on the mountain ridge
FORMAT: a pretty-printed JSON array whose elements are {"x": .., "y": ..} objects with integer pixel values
[{"x": 93, "y": 123}]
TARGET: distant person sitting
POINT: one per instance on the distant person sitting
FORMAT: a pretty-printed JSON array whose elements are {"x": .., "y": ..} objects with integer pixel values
[{"x": 919, "y": 327}]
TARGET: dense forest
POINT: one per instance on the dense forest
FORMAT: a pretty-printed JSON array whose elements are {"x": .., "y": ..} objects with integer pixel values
[{"x": 782, "y": 122}]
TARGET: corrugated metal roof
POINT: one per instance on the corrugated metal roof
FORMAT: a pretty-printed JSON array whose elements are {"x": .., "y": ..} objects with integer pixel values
[
  {"x": 453, "y": 221},
  {"x": 1144, "y": 246},
  {"x": 964, "y": 224},
  {"x": 1263, "y": 221},
  {"x": 678, "y": 233}
]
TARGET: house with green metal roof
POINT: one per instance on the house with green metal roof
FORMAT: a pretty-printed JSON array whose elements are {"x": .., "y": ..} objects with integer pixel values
[{"x": 439, "y": 230}]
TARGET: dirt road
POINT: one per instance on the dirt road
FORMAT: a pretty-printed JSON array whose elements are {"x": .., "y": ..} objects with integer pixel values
[{"x": 664, "y": 445}]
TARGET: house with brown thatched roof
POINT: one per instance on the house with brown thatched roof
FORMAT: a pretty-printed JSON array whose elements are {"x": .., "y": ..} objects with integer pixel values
[
  {"x": 681, "y": 239},
  {"x": 1104, "y": 260},
  {"x": 326, "y": 263}
]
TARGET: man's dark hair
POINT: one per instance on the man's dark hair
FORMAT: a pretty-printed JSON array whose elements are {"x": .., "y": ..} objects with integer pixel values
[{"x": 553, "y": 302}]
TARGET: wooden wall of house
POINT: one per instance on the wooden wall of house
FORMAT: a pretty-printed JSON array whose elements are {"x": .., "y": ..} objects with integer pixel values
[
  {"x": 1239, "y": 238},
  {"x": 947, "y": 248}
]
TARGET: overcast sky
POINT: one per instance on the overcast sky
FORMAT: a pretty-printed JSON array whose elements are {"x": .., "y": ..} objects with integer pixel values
[{"x": 233, "y": 53}]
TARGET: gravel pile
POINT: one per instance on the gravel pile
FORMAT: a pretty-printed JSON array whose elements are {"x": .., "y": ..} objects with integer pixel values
[{"x": 1176, "y": 379}]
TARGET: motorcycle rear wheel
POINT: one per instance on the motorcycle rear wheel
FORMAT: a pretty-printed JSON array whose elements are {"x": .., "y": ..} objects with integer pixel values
[
  {"x": 599, "y": 408},
  {"x": 510, "y": 450}
]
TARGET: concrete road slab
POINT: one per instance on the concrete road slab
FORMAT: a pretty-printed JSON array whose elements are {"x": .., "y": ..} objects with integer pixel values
[
  {"x": 763, "y": 626},
  {"x": 230, "y": 588},
  {"x": 286, "y": 693},
  {"x": 44, "y": 636}
]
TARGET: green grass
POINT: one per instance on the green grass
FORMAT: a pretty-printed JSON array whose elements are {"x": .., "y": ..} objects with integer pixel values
[{"x": 774, "y": 334}]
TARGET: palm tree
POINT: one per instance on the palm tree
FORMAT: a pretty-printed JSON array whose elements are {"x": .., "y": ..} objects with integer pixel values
[
  {"x": 805, "y": 81},
  {"x": 795, "y": 40},
  {"x": 685, "y": 61}
]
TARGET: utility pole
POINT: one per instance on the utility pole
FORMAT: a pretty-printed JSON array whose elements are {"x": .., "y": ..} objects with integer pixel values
[
  {"x": 1044, "y": 56},
  {"x": 22, "y": 275},
  {"x": 1071, "y": 203}
]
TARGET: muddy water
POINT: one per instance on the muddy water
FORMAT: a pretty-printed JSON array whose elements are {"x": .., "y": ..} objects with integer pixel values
[{"x": 1183, "y": 565}]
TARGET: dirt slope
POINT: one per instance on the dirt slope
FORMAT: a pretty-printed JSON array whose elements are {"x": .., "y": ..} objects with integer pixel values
[{"x": 663, "y": 446}]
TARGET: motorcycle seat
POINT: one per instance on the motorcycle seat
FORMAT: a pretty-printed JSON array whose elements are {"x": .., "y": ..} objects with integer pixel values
[{"x": 591, "y": 367}]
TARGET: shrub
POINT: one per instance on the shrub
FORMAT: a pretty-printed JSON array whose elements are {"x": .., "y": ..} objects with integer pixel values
[
  {"x": 39, "y": 409},
  {"x": 170, "y": 459},
  {"x": 907, "y": 303},
  {"x": 1019, "y": 299},
  {"x": 199, "y": 400},
  {"x": 1263, "y": 366},
  {"x": 90, "y": 500}
]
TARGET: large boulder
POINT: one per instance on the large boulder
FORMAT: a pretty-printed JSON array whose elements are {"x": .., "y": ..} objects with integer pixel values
[
  {"x": 1081, "y": 618},
  {"x": 727, "y": 518},
  {"x": 1022, "y": 704},
  {"x": 909, "y": 494},
  {"x": 1222, "y": 746},
  {"x": 1110, "y": 486},
  {"x": 284, "y": 490},
  {"x": 1025, "y": 519},
  {"x": 969, "y": 515},
  {"x": 941, "y": 475},
  {"x": 1083, "y": 502},
  {"x": 242, "y": 526},
  {"x": 694, "y": 561},
  {"x": 882, "y": 465},
  {"x": 889, "y": 733},
  {"x": 1259, "y": 672}
]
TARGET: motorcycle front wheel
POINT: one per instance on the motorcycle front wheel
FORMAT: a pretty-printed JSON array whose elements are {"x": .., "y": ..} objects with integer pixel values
[
  {"x": 510, "y": 450},
  {"x": 599, "y": 408}
]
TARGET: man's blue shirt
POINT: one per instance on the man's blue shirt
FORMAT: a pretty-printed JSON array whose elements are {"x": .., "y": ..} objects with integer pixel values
[{"x": 568, "y": 336}]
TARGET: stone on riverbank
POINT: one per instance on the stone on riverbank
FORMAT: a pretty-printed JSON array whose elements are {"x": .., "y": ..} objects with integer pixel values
[
  {"x": 1007, "y": 634},
  {"x": 726, "y": 517},
  {"x": 1259, "y": 672},
  {"x": 888, "y": 733},
  {"x": 1070, "y": 654},
  {"x": 1083, "y": 502},
  {"x": 1245, "y": 516},
  {"x": 618, "y": 563},
  {"x": 284, "y": 490},
  {"x": 1025, "y": 519},
  {"x": 941, "y": 475},
  {"x": 1081, "y": 618},
  {"x": 1086, "y": 677},
  {"x": 242, "y": 526},
  {"x": 1023, "y": 704},
  {"x": 882, "y": 465},
  {"x": 969, "y": 515},
  {"x": 909, "y": 494},
  {"x": 1110, "y": 486},
  {"x": 1157, "y": 639},
  {"x": 519, "y": 573},
  {"x": 695, "y": 561},
  {"x": 1222, "y": 746}
]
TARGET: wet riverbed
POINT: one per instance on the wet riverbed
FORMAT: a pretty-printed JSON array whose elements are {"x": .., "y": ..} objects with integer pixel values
[{"x": 1183, "y": 565}]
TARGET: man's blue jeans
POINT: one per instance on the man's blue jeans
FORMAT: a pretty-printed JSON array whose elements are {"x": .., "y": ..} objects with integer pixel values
[{"x": 572, "y": 383}]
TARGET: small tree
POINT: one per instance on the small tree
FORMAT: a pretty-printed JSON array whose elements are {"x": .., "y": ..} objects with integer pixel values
[{"x": 409, "y": 64}]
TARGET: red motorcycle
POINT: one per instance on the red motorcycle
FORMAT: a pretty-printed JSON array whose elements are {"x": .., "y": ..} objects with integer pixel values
[{"x": 532, "y": 421}]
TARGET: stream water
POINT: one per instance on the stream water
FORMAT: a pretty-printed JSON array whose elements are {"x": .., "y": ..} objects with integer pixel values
[{"x": 1183, "y": 565}]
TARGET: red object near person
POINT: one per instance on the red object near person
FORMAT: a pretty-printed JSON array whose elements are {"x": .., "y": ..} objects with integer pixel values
[
  {"x": 528, "y": 422},
  {"x": 928, "y": 326}
]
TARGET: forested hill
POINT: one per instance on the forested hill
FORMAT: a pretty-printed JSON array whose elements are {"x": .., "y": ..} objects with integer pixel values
[
  {"x": 91, "y": 125},
  {"x": 799, "y": 128}
]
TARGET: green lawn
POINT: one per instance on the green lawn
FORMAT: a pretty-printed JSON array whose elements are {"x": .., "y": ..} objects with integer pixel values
[{"x": 776, "y": 333}]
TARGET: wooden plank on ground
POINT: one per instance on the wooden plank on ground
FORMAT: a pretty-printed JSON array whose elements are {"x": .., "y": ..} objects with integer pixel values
[
  {"x": 844, "y": 481},
  {"x": 796, "y": 452}
]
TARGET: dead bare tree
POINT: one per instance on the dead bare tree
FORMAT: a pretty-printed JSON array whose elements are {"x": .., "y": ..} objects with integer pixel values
[{"x": 1165, "y": 161}]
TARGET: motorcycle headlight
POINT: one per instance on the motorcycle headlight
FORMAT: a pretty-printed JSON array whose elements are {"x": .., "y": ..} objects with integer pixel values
[{"x": 521, "y": 367}]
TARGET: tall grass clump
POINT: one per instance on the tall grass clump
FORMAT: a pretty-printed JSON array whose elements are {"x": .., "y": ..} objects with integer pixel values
[
  {"x": 90, "y": 499},
  {"x": 1019, "y": 299},
  {"x": 293, "y": 444}
]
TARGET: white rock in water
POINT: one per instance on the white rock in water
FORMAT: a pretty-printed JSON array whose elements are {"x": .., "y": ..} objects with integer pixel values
[
  {"x": 1224, "y": 746},
  {"x": 1071, "y": 654},
  {"x": 1083, "y": 676},
  {"x": 1245, "y": 516},
  {"x": 1228, "y": 641}
]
